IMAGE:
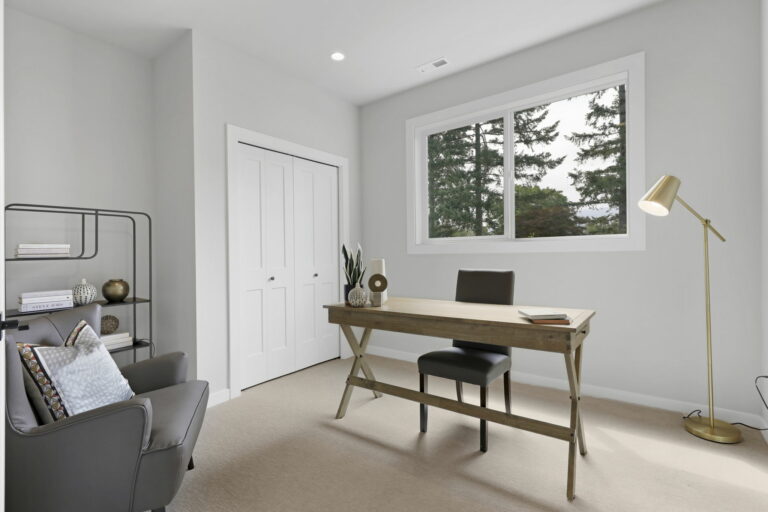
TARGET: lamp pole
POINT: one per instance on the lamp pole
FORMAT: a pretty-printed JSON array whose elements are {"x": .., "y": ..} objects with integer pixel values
[
  {"x": 710, "y": 384},
  {"x": 709, "y": 428}
]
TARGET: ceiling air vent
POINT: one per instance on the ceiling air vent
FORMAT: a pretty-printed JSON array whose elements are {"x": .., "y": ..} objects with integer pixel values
[{"x": 431, "y": 66}]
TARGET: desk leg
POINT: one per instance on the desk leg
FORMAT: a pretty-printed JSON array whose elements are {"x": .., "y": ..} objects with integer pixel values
[
  {"x": 358, "y": 349},
  {"x": 573, "y": 382},
  {"x": 577, "y": 363}
]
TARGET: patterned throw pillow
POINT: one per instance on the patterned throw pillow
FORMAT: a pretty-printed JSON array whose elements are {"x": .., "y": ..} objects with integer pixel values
[{"x": 74, "y": 378}]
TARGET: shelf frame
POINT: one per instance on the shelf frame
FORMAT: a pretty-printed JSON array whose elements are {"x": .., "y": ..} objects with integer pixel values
[{"x": 96, "y": 214}]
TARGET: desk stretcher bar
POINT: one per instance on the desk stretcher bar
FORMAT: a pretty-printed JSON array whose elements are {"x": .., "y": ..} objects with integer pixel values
[{"x": 483, "y": 413}]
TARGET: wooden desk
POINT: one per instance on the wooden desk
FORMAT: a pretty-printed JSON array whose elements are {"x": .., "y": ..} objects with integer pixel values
[{"x": 493, "y": 324}]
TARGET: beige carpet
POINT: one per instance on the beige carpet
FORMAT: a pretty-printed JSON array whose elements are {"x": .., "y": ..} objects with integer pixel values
[{"x": 279, "y": 448}]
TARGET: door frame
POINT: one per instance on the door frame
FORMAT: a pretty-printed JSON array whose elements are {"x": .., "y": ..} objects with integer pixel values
[{"x": 236, "y": 135}]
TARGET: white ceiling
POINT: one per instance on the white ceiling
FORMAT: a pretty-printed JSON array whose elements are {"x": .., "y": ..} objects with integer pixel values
[{"x": 384, "y": 40}]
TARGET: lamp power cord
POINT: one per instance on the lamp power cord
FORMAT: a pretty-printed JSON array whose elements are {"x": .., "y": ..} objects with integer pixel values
[{"x": 762, "y": 398}]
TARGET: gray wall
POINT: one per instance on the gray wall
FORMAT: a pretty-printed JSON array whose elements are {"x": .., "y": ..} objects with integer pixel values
[
  {"x": 174, "y": 192},
  {"x": 78, "y": 132},
  {"x": 232, "y": 87},
  {"x": 703, "y": 125},
  {"x": 764, "y": 232}
]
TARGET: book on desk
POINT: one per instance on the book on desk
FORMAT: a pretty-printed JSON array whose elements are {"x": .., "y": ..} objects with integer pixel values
[{"x": 541, "y": 316}]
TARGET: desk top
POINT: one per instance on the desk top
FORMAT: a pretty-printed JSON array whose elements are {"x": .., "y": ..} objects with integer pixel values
[{"x": 468, "y": 313}]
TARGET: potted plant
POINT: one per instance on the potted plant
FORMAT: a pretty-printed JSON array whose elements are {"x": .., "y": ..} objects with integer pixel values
[{"x": 353, "y": 269}]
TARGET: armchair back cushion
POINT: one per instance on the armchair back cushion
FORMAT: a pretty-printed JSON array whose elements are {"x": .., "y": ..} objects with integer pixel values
[{"x": 53, "y": 330}]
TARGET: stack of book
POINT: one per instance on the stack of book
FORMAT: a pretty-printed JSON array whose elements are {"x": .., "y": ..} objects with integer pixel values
[
  {"x": 545, "y": 316},
  {"x": 42, "y": 251},
  {"x": 117, "y": 340},
  {"x": 45, "y": 301}
]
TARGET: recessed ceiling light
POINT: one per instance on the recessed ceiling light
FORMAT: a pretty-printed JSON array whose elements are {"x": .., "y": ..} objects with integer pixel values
[{"x": 337, "y": 56}]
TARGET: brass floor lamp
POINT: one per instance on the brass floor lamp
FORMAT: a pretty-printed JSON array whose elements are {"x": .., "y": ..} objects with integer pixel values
[{"x": 658, "y": 201}]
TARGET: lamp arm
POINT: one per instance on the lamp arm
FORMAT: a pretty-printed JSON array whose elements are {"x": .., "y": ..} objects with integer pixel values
[{"x": 696, "y": 214}]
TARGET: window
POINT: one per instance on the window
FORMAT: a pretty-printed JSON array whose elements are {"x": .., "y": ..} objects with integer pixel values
[{"x": 554, "y": 167}]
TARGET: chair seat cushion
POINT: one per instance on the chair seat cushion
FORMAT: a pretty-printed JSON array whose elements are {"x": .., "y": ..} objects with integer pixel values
[
  {"x": 465, "y": 364},
  {"x": 173, "y": 409}
]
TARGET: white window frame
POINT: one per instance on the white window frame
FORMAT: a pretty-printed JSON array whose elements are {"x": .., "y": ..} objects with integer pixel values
[{"x": 629, "y": 71}]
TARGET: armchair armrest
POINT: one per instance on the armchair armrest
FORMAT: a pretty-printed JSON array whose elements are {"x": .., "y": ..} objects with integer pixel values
[
  {"x": 160, "y": 372},
  {"x": 99, "y": 449}
]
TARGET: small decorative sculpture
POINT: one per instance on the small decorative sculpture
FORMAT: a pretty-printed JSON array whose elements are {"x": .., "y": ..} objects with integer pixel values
[
  {"x": 377, "y": 267},
  {"x": 83, "y": 293},
  {"x": 357, "y": 296},
  {"x": 378, "y": 285},
  {"x": 109, "y": 324},
  {"x": 115, "y": 290}
]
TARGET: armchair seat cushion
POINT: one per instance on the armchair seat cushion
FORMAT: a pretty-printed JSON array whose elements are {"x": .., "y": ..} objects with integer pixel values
[
  {"x": 465, "y": 364},
  {"x": 174, "y": 408}
]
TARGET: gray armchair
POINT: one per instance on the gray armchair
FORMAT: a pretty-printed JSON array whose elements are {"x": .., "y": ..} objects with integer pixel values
[{"x": 129, "y": 456}]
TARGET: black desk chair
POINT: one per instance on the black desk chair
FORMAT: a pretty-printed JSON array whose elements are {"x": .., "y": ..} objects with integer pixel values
[{"x": 470, "y": 362}]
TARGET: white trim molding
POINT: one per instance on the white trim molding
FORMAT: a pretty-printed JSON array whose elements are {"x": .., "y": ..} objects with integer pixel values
[
  {"x": 629, "y": 71},
  {"x": 236, "y": 135},
  {"x": 218, "y": 397}
]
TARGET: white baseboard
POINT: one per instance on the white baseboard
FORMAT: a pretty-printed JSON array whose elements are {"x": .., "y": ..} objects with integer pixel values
[
  {"x": 218, "y": 397},
  {"x": 602, "y": 392}
]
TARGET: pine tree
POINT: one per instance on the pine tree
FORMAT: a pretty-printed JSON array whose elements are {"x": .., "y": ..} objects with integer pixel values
[
  {"x": 539, "y": 212},
  {"x": 531, "y": 161},
  {"x": 466, "y": 173},
  {"x": 605, "y": 146}
]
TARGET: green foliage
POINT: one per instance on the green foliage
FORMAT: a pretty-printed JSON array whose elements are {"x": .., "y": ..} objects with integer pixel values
[
  {"x": 466, "y": 180},
  {"x": 543, "y": 212},
  {"x": 531, "y": 163},
  {"x": 604, "y": 145},
  {"x": 353, "y": 265}
]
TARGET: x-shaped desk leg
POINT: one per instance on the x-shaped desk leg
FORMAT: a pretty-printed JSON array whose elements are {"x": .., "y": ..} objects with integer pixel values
[
  {"x": 358, "y": 349},
  {"x": 573, "y": 367}
]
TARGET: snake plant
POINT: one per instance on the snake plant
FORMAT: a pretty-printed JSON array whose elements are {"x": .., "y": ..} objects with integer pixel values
[{"x": 353, "y": 265}]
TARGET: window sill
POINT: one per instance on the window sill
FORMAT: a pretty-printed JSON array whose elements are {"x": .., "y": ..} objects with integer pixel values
[{"x": 596, "y": 243}]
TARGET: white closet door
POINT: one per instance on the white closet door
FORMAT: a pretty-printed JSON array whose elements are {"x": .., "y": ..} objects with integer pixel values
[
  {"x": 317, "y": 260},
  {"x": 265, "y": 240}
]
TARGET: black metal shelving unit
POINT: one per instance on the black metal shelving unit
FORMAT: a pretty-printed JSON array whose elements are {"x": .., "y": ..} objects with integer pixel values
[{"x": 96, "y": 214}]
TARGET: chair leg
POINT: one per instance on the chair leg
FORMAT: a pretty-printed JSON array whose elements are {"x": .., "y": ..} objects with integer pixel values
[
  {"x": 507, "y": 392},
  {"x": 459, "y": 391},
  {"x": 423, "y": 407},
  {"x": 191, "y": 464},
  {"x": 483, "y": 423}
]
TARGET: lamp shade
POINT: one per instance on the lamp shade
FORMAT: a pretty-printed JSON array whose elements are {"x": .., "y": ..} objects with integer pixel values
[{"x": 658, "y": 200}]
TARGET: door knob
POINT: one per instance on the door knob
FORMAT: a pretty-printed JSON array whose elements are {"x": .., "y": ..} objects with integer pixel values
[
  {"x": 272, "y": 278},
  {"x": 314, "y": 275}
]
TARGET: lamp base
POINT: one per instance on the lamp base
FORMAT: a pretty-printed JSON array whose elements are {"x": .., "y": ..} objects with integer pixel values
[{"x": 722, "y": 433}]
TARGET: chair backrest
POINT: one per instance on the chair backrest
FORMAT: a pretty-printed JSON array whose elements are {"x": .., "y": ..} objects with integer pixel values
[
  {"x": 49, "y": 330},
  {"x": 485, "y": 287}
]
